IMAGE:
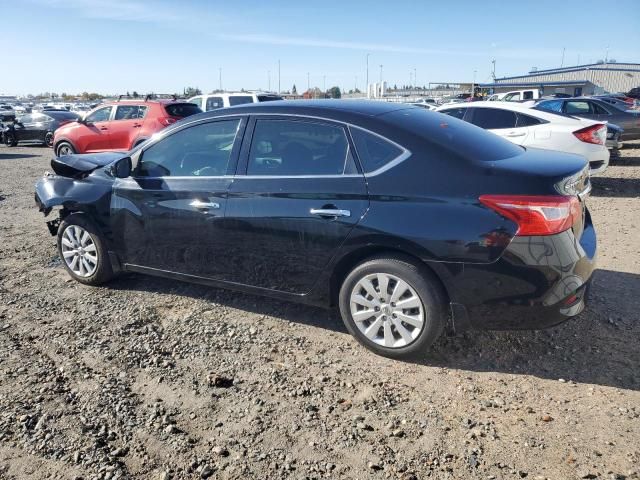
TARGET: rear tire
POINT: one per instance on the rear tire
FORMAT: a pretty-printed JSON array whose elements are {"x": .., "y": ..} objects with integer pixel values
[
  {"x": 399, "y": 308},
  {"x": 48, "y": 139},
  {"x": 64, "y": 148},
  {"x": 83, "y": 251}
]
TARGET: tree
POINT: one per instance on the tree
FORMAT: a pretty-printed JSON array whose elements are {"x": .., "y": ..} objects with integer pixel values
[
  {"x": 294, "y": 90},
  {"x": 334, "y": 92},
  {"x": 135, "y": 94},
  {"x": 191, "y": 91}
]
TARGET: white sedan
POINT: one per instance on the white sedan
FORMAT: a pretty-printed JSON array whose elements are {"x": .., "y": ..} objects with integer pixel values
[{"x": 534, "y": 128}]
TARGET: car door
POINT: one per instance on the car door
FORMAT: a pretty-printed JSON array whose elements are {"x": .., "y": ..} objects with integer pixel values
[
  {"x": 125, "y": 124},
  {"x": 40, "y": 125},
  {"x": 22, "y": 128},
  {"x": 295, "y": 200},
  {"x": 94, "y": 136},
  {"x": 169, "y": 215},
  {"x": 499, "y": 121}
]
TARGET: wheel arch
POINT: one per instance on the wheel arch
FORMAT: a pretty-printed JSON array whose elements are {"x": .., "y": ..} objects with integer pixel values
[
  {"x": 58, "y": 141},
  {"x": 349, "y": 261}
]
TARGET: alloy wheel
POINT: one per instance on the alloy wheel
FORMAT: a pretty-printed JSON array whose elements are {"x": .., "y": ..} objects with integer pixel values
[
  {"x": 65, "y": 150},
  {"x": 79, "y": 251},
  {"x": 387, "y": 310}
]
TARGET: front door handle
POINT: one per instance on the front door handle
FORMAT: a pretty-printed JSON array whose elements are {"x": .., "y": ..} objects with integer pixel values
[
  {"x": 330, "y": 212},
  {"x": 515, "y": 134},
  {"x": 205, "y": 205}
]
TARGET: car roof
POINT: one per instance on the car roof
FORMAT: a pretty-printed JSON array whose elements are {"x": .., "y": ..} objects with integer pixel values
[
  {"x": 366, "y": 108},
  {"x": 516, "y": 107}
]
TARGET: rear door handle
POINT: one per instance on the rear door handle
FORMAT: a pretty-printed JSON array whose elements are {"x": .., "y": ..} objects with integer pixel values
[
  {"x": 205, "y": 205},
  {"x": 103, "y": 128},
  {"x": 516, "y": 134},
  {"x": 330, "y": 212}
]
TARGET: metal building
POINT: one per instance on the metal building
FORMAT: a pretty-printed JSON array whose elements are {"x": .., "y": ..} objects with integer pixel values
[{"x": 610, "y": 77}]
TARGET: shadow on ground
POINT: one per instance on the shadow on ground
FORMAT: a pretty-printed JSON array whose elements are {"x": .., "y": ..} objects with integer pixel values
[
  {"x": 597, "y": 347},
  {"x": 16, "y": 155},
  {"x": 615, "y": 187}
]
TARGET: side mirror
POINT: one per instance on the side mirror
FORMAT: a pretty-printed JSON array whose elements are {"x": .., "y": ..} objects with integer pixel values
[{"x": 121, "y": 168}]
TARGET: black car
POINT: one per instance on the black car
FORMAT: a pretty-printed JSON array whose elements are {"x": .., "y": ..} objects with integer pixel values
[
  {"x": 410, "y": 221},
  {"x": 37, "y": 127},
  {"x": 594, "y": 109}
]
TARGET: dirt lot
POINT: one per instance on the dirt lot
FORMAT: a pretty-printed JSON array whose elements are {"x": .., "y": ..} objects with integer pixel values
[{"x": 153, "y": 379}]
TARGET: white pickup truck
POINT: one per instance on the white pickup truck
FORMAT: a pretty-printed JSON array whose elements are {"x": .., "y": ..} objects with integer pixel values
[{"x": 516, "y": 96}]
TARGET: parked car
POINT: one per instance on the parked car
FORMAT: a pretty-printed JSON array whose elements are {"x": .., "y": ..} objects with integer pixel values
[
  {"x": 120, "y": 125},
  {"x": 534, "y": 128},
  {"x": 593, "y": 109},
  {"x": 37, "y": 127},
  {"x": 7, "y": 113},
  {"x": 521, "y": 95},
  {"x": 428, "y": 106},
  {"x": 622, "y": 103},
  {"x": 614, "y": 132},
  {"x": 400, "y": 216},
  {"x": 634, "y": 93},
  {"x": 223, "y": 100}
]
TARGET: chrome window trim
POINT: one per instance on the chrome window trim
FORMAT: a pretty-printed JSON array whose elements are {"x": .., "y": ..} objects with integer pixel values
[{"x": 406, "y": 153}]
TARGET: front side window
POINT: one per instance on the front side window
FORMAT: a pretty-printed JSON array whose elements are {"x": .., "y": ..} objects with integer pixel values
[
  {"x": 455, "y": 112},
  {"x": 240, "y": 99},
  {"x": 199, "y": 151},
  {"x": 294, "y": 148},
  {"x": 512, "y": 97},
  {"x": 213, "y": 103},
  {"x": 101, "y": 115},
  {"x": 493, "y": 118},
  {"x": 551, "y": 105},
  {"x": 577, "y": 108},
  {"x": 25, "y": 119},
  {"x": 373, "y": 151}
]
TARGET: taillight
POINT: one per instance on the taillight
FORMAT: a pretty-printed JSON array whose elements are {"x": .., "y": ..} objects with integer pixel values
[
  {"x": 166, "y": 121},
  {"x": 536, "y": 215},
  {"x": 594, "y": 134}
]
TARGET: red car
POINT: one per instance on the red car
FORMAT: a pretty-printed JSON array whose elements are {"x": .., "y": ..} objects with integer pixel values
[{"x": 119, "y": 125}]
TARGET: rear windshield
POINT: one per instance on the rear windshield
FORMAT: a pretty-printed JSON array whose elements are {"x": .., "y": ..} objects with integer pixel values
[
  {"x": 63, "y": 115},
  {"x": 457, "y": 136},
  {"x": 181, "y": 109}
]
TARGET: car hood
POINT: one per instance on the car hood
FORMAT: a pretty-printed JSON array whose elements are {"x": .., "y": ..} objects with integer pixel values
[{"x": 83, "y": 164}]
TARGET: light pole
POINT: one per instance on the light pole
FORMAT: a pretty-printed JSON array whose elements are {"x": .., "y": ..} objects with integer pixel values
[
  {"x": 415, "y": 78},
  {"x": 367, "y": 84},
  {"x": 381, "y": 75},
  {"x": 473, "y": 84}
]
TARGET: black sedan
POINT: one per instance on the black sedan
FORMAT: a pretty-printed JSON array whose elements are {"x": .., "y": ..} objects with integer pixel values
[
  {"x": 594, "y": 109},
  {"x": 410, "y": 221},
  {"x": 37, "y": 127}
]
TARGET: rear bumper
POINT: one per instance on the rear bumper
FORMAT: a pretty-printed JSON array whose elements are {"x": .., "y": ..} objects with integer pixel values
[{"x": 538, "y": 282}]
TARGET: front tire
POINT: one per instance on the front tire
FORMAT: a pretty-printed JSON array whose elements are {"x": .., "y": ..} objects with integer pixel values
[
  {"x": 10, "y": 140},
  {"x": 48, "y": 139},
  {"x": 65, "y": 148},
  {"x": 392, "y": 306},
  {"x": 83, "y": 250}
]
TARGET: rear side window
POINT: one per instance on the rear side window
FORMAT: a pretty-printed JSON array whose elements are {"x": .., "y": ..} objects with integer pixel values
[
  {"x": 455, "y": 112},
  {"x": 373, "y": 151},
  {"x": 493, "y": 118},
  {"x": 127, "y": 112},
  {"x": 528, "y": 95},
  {"x": 181, "y": 109},
  {"x": 527, "y": 120},
  {"x": 600, "y": 110},
  {"x": 213, "y": 103},
  {"x": 62, "y": 115},
  {"x": 196, "y": 101},
  {"x": 577, "y": 108},
  {"x": 240, "y": 99},
  {"x": 199, "y": 151},
  {"x": 295, "y": 148},
  {"x": 551, "y": 105}
]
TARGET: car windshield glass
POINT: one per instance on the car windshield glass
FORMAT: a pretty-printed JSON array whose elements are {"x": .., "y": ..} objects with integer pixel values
[
  {"x": 453, "y": 135},
  {"x": 181, "y": 109}
]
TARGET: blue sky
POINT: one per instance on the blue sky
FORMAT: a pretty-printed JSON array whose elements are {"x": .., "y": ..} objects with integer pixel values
[{"x": 114, "y": 46}]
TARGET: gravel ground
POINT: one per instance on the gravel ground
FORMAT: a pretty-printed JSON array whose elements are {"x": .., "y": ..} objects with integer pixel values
[{"x": 148, "y": 378}]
